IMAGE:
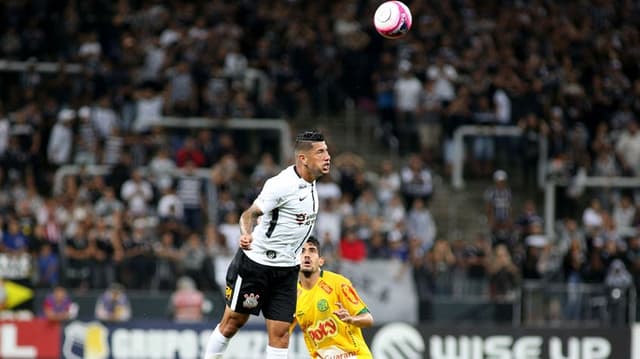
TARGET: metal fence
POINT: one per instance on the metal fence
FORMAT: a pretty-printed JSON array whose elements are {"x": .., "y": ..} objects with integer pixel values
[
  {"x": 562, "y": 304},
  {"x": 534, "y": 303}
]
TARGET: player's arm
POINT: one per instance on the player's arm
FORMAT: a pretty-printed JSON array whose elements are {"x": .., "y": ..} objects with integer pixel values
[
  {"x": 248, "y": 220},
  {"x": 292, "y": 326},
  {"x": 351, "y": 309},
  {"x": 363, "y": 319}
]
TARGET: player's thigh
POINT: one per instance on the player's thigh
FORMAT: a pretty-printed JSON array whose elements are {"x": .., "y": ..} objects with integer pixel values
[
  {"x": 246, "y": 285},
  {"x": 282, "y": 298}
]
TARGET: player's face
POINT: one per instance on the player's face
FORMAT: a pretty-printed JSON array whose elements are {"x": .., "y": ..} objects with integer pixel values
[
  {"x": 318, "y": 159},
  {"x": 310, "y": 260}
]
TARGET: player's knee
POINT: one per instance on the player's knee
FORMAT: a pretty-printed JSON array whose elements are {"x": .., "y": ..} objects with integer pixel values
[
  {"x": 279, "y": 338},
  {"x": 229, "y": 329},
  {"x": 230, "y": 324}
]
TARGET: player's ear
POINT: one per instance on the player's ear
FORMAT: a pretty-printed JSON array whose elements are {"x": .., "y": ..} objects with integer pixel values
[
  {"x": 302, "y": 157},
  {"x": 321, "y": 261}
]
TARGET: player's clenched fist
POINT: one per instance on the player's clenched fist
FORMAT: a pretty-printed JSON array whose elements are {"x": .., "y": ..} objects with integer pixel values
[{"x": 245, "y": 241}]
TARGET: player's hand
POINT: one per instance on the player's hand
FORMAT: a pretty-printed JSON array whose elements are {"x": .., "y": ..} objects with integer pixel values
[
  {"x": 245, "y": 241},
  {"x": 343, "y": 314}
]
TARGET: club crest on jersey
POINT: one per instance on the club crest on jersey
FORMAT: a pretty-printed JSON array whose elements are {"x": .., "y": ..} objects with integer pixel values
[
  {"x": 227, "y": 293},
  {"x": 250, "y": 301},
  {"x": 323, "y": 305}
]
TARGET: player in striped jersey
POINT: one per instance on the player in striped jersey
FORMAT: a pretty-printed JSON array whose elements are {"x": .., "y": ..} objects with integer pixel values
[{"x": 263, "y": 274}]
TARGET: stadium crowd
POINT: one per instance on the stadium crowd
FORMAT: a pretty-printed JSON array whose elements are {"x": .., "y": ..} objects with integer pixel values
[{"x": 564, "y": 71}]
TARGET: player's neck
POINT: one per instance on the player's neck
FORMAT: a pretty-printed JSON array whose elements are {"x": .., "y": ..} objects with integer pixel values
[
  {"x": 308, "y": 282},
  {"x": 303, "y": 172}
]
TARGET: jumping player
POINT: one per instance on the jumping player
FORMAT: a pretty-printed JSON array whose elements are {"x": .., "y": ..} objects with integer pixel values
[{"x": 264, "y": 271}]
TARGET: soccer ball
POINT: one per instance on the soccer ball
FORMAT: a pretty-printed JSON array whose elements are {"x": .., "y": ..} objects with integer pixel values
[{"x": 392, "y": 19}]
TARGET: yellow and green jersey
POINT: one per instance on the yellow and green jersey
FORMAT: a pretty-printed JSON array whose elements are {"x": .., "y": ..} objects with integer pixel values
[{"x": 326, "y": 336}]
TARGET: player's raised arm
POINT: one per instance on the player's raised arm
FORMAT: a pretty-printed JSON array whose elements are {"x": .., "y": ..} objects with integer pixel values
[{"x": 247, "y": 222}]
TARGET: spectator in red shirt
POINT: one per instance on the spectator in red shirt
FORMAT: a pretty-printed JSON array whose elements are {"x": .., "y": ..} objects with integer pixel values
[
  {"x": 187, "y": 302},
  {"x": 351, "y": 246},
  {"x": 189, "y": 151},
  {"x": 58, "y": 306}
]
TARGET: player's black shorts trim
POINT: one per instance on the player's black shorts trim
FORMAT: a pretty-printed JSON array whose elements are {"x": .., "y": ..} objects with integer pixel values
[{"x": 253, "y": 287}]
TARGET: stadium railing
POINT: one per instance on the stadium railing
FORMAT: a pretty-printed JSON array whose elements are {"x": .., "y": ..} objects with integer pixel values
[
  {"x": 584, "y": 304},
  {"x": 457, "y": 177},
  {"x": 39, "y": 66}
]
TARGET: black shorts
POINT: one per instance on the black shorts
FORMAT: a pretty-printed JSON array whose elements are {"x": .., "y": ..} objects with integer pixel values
[{"x": 253, "y": 287}]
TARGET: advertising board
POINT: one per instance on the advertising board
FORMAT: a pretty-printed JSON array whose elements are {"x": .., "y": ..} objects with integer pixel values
[
  {"x": 29, "y": 339},
  {"x": 401, "y": 340}
]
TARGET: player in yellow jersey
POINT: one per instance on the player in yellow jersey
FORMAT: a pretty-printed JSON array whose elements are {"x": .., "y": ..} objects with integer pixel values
[{"x": 329, "y": 310}]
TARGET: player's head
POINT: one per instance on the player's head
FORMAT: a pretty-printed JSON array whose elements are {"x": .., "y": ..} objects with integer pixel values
[
  {"x": 305, "y": 139},
  {"x": 311, "y": 259},
  {"x": 312, "y": 154}
]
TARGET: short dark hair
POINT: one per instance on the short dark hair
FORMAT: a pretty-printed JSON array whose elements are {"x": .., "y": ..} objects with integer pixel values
[
  {"x": 304, "y": 139},
  {"x": 313, "y": 240}
]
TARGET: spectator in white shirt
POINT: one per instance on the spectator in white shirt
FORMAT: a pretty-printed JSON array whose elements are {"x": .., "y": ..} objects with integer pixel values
[
  {"x": 148, "y": 109},
  {"x": 624, "y": 214},
  {"x": 86, "y": 148},
  {"x": 329, "y": 222},
  {"x": 5, "y": 126},
  {"x": 90, "y": 49},
  {"x": 230, "y": 229},
  {"x": 137, "y": 192},
  {"x": 408, "y": 92},
  {"x": 61, "y": 139},
  {"x": 420, "y": 224},
  {"x": 328, "y": 189},
  {"x": 162, "y": 167},
  {"x": 108, "y": 203},
  {"x": 416, "y": 181},
  {"x": 170, "y": 205},
  {"x": 388, "y": 182},
  {"x": 444, "y": 76},
  {"x": 103, "y": 117},
  {"x": 155, "y": 59},
  {"x": 393, "y": 213},
  {"x": 628, "y": 148}
]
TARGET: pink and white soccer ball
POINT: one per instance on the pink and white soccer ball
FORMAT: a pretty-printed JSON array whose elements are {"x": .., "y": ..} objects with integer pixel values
[{"x": 392, "y": 19}]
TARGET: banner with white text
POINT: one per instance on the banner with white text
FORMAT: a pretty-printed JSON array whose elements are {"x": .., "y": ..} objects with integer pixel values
[
  {"x": 42, "y": 339},
  {"x": 163, "y": 340},
  {"x": 401, "y": 340},
  {"x": 29, "y": 339}
]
